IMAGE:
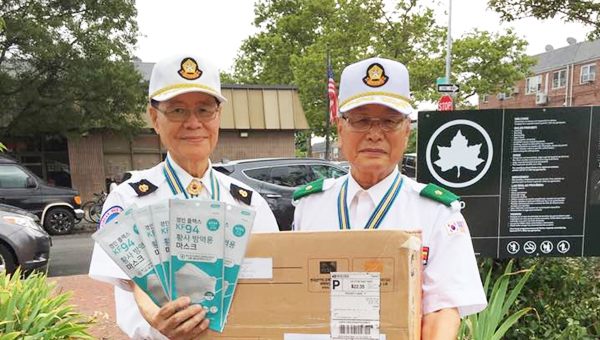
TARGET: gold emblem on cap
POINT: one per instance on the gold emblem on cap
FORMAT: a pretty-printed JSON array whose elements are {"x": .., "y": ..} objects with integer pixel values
[
  {"x": 438, "y": 192},
  {"x": 143, "y": 187},
  {"x": 243, "y": 193},
  {"x": 309, "y": 187},
  {"x": 189, "y": 69},
  {"x": 375, "y": 76}
]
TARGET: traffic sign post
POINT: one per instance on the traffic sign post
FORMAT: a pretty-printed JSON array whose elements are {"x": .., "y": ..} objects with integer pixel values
[{"x": 445, "y": 103}]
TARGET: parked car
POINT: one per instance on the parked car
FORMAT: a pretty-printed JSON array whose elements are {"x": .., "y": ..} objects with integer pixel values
[
  {"x": 23, "y": 241},
  {"x": 58, "y": 208},
  {"x": 276, "y": 179},
  {"x": 409, "y": 165},
  {"x": 343, "y": 164}
]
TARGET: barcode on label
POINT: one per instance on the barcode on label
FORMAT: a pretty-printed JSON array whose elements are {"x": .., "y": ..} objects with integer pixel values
[{"x": 355, "y": 329}]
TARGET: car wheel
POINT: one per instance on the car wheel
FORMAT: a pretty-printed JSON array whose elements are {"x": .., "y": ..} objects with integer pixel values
[
  {"x": 7, "y": 260},
  {"x": 59, "y": 221}
]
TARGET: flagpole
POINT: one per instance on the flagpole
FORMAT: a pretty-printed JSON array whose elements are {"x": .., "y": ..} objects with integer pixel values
[{"x": 327, "y": 127}]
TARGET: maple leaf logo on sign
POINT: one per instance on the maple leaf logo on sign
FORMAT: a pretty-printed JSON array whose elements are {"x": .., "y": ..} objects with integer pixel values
[
  {"x": 459, "y": 154},
  {"x": 449, "y": 144}
]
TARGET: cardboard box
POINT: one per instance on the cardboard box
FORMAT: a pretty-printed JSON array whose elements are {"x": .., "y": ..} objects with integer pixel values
[{"x": 297, "y": 298}]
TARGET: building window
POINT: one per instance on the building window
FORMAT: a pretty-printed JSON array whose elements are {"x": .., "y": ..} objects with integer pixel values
[
  {"x": 588, "y": 73},
  {"x": 510, "y": 92},
  {"x": 485, "y": 98},
  {"x": 559, "y": 79},
  {"x": 534, "y": 85}
]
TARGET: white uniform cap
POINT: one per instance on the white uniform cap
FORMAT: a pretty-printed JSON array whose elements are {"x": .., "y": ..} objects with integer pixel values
[
  {"x": 183, "y": 73},
  {"x": 375, "y": 81}
]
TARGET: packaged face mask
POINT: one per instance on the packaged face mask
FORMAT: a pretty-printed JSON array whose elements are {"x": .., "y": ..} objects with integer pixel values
[
  {"x": 160, "y": 222},
  {"x": 197, "y": 238},
  {"x": 144, "y": 222},
  {"x": 120, "y": 239},
  {"x": 238, "y": 225},
  {"x": 192, "y": 279},
  {"x": 155, "y": 287}
]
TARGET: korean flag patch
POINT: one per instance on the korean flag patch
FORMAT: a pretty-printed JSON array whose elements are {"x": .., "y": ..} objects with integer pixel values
[{"x": 456, "y": 227}]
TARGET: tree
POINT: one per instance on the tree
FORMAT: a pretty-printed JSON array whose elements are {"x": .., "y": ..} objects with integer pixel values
[
  {"x": 295, "y": 36},
  {"x": 586, "y": 12},
  {"x": 65, "y": 66},
  {"x": 484, "y": 62}
]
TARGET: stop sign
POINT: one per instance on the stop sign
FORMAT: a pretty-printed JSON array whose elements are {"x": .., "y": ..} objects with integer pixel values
[{"x": 445, "y": 103}]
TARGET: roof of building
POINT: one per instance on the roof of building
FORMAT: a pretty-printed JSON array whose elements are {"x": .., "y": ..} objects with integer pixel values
[{"x": 572, "y": 54}]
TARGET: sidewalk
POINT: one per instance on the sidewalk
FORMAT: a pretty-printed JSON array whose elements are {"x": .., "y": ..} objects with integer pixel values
[{"x": 93, "y": 298}]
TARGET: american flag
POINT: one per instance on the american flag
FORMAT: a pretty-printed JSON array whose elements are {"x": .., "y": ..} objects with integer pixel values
[{"x": 332, "y": 92}]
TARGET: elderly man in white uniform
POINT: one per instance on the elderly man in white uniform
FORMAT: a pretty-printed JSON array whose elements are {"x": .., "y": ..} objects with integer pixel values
[
  {"x": 185, "y": 109},
  {"x": 373, "y": 133}
]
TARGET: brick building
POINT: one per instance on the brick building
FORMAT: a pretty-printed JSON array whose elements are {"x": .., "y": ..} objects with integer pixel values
[
  {"x": 256, "y": 121},
  {"x": 562, "y": 77}
]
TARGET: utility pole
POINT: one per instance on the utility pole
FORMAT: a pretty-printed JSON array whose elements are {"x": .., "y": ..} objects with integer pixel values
[{"x": 449, "y": 52}]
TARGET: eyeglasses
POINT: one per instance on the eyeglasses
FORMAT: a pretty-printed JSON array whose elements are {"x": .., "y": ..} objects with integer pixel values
[
  {"x": 364, "y": 123},
  {"x": 175, "y": 113}
]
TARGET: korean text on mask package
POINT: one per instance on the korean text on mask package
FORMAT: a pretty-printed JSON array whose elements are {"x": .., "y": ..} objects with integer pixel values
[
  {"x": 238, "y": 225},
  {"x": 145, "y": 224},
  {"x": 120, "y": 239},
  {"x": 160, "y": 218},
  {"x": 197, "y": 238}
]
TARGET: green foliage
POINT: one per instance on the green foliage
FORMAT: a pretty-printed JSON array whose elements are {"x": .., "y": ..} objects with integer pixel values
[
  {"x": 295, "y": 36},
  {"x": 32, "y": 309},
  {"x": 488, "y": 63},
  {"x": 227, "y": 78},
  {"x": 65, "y": 66},
  {"x": 412, "y": 141},
  {"x": 586, "y": 12},
  {"x": 301, "y": 140},
  {"x": 566, "y": 295},
  {"x": 2, "y": 147},
  {"x": 496, "y": 319}
]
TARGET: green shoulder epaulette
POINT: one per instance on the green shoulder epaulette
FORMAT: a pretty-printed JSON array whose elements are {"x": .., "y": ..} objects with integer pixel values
[
  {"x": 310, "y": 188},
  {"x": 439, "y": 194}
]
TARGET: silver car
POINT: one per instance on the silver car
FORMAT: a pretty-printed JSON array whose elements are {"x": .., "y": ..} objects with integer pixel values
[{"x": 23, "y": 242}]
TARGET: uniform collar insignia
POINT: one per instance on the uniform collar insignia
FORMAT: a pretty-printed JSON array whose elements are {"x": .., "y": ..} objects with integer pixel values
[
  {"x": 375, "y": 76},
  {"x": 189, "y": 69},
  {"x": 143, "y": 187},
  {"x": 241, "y": 194},
  {"x": 439, "y": 194}
]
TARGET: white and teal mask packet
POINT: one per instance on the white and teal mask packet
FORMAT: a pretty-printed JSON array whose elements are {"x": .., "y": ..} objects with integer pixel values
[
  {"x": 145, "y": 224},
  {"x": 120, "y": 239},
  {"x": 160, "y": 218},
  {"x": 197, "y": 239},
  {"x": 238, "y": 226}
]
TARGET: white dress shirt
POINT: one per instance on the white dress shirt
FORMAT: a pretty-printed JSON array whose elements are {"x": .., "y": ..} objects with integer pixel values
[
  {"x": 102, "y": 267},
  {"x": 450, "y": 277}
]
